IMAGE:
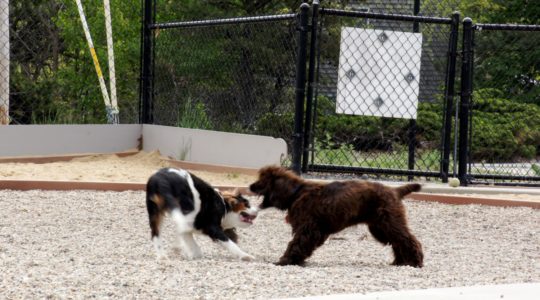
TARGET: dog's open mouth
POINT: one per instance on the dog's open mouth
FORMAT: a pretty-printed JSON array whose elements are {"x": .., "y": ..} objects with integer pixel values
[{"x": 247, "y": 218}]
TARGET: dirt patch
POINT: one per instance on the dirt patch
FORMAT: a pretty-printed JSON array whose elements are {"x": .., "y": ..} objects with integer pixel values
[{"x": 110, "y": 168}]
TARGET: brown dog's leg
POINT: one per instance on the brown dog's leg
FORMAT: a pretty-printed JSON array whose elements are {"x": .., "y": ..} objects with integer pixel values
[
  {"x": 304, "y": 242},
  {"x": 378, "y": 234},
  {"x": 410, "y": 252},
  {"x": 393, "y": 230}
]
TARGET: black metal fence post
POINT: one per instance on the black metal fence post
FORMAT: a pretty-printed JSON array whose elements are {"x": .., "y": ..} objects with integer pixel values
[
  {"x": 412, "y": 122},
  {"x": 466, "y": 93},
  {"x": 449, "y": 96},
  {"x": 145, "y": 115},
  {"x": 300, "y": 89},
  {"x": 311, "y": 79}
]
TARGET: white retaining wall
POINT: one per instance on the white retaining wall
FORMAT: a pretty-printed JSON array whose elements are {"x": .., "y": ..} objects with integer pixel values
[{"x": 193, "y": 145}]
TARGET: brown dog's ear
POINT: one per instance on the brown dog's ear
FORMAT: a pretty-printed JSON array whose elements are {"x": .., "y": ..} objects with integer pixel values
[{"x": 269, "y": 170}]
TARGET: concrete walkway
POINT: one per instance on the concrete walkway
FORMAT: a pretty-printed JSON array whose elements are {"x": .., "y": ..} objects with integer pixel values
[{"x": 518, "y": 291}]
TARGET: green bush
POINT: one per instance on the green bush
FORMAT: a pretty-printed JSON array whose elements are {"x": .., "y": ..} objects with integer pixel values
[
  {"x": 276, "y": 125},
  {"x": 503, "y": 130},
  {"x": 429, "y": 124},
  {"x": 375, "y": 133}
]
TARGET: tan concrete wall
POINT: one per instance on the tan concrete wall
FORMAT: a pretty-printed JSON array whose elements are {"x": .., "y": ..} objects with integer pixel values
[
  {"x": 213, "y": 147},
  {"x": 34, "y": 140}
]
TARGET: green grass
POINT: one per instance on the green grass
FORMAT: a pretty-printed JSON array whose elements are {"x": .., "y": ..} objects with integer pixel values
[
  {"x": 428, "y": 160},
  {"x": 425, "y": 160},
  {"x": 193, "y": 115}
]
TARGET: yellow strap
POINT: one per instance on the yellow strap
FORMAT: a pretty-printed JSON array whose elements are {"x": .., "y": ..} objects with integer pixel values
[{"x": 96, "y": 62}]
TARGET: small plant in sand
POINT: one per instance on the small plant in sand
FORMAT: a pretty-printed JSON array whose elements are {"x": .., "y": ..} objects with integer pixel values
[
  {"x": 232, "y": 175},
  {"x": 184, "y": 150}
]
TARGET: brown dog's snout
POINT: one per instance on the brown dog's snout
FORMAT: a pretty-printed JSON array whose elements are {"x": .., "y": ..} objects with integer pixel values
[
  {"x": 255, "y": 187},
  {"x": 264, "y": 204}
]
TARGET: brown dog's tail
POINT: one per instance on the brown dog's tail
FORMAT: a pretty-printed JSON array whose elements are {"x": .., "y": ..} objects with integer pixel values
[{"x": 407, "y": 189}]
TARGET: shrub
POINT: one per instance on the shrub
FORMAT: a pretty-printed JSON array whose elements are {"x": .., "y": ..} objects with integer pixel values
[
  {"x": 277, "y": 125},
  {"x": 193, "y": 114},
  {"x": 503, "y": 130},
  {"x": 376, "y": 133}
]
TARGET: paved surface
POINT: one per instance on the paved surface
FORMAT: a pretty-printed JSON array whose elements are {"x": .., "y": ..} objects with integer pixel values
[{"x": 519, "y": 291}]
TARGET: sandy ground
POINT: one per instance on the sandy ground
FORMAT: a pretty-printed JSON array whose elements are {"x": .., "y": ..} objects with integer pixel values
[
  {"x": 109, "y": 168},
  {"x": 137, "y": 168},
  {"x": 87, "y": 244}
]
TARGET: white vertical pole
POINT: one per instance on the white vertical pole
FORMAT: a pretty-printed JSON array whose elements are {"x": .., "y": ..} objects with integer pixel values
[
  {"x": 4, "y": 62},
  {"x": 95, "y": 59},
  {"x": 110, "y": 52}
]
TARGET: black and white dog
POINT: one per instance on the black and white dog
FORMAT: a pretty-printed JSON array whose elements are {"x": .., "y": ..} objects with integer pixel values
[{"x": 195, "y": 206}]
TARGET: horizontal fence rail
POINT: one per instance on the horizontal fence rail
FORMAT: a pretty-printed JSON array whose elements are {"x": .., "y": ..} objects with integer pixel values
[
  {"x": 509, "y": 27},
  {"x": 374, "y": 171},
  {"x": 505, "y": 177},
  {"x": 223, "y": 21},
  {"x": 383, "y": 16}
]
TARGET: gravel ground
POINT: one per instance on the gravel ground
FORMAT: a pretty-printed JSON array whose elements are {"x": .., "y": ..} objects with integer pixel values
[{"x": 83, "y": 244}]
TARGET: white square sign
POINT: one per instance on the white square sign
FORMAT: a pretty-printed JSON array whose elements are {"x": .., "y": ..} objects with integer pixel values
[{"x": 379, "y": 73}]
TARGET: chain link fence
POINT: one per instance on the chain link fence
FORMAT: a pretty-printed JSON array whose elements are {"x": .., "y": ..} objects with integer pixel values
[
  {"x": 48, "y": 75},
  {"x": 233, "y": 75},
  {"x": 238, "y": 75},
  {"x": 52, "y": 76},
  {"x": 4, "y": 62},
  {"x": 505, "y": 124}
]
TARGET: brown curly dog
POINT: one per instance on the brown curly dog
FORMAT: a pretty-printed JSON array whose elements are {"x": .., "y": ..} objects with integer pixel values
[{"x": 316, "y": 210}]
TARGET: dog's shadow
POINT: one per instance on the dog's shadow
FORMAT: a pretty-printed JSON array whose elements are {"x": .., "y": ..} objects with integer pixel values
[
  {"x": 317, "y": 263},
  {"x": 343, "y": 264}
]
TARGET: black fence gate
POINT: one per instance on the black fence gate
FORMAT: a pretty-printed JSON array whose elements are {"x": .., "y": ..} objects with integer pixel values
[
  {"x": 500, "y": 104},
  {"x": 400, "y": 118}
]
